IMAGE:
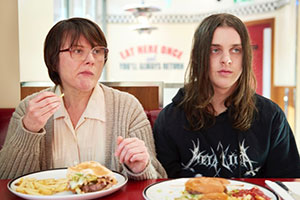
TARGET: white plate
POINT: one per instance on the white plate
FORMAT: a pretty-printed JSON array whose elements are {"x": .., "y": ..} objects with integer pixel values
[
  {"x": 67, "y": 195},
  {"x": 170, "y": 189}
]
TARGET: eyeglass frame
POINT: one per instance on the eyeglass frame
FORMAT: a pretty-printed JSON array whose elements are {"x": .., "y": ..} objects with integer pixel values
[{"x": 70, "y": 51}]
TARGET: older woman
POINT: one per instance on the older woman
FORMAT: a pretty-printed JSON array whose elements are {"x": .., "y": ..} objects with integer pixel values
[
  {"x": 78, "y": 119},
  {"x": 217, "y": 125}
]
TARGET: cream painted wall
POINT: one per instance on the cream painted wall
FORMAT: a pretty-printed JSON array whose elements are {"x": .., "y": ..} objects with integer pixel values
[
  {"x": 179, "y": 6},
  {"x": 285, "y": 43},
  {"x": 285, "y": 46},
  {"x": 9, "y": 54},
  {"x": 297, "y": 118},
  {"x": 35, "y": 20}
]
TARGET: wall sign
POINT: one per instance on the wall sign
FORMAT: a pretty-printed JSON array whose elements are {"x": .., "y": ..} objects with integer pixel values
[{"x": 151, "y": 57}]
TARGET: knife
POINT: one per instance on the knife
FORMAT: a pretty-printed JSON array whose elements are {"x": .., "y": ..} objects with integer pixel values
[
  {"x": 293, "y": 194},
  {"x": 279, "y": 190}
]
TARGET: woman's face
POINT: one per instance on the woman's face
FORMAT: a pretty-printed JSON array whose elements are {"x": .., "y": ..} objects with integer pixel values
[
  {"x": 225, "y": 59},
  {"x": 79, "y": 74}
]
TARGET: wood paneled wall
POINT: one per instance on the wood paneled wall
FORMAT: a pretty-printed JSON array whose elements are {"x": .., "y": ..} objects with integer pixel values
[
  {"x": 147, "y": 95},
  {"x": 25, "y": 91}
]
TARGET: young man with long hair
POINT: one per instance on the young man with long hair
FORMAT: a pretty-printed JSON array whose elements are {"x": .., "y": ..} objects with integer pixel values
[{"x": 216, "y": 124}]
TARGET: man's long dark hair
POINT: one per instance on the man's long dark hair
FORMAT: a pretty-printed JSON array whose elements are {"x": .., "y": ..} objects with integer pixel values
[{"x": 198, "y": 87}]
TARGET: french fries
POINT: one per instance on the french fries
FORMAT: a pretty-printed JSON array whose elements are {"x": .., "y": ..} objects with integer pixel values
[{"x": 33, "y": 186}]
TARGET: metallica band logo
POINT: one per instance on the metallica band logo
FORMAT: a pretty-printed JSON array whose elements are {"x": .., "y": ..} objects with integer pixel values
[{"x": 222, "y": 157}]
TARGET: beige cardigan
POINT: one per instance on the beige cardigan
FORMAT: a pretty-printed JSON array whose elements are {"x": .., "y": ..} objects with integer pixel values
[{"x": 24, "y": 152}]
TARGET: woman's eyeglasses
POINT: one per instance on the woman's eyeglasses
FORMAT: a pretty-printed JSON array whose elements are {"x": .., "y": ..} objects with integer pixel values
[{"x": 80, "y": 53}]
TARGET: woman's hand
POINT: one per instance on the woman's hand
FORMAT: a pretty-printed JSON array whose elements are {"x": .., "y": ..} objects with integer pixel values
[
  {"x": 39, "y": 110},
  {"x": 133, "y": 153}
]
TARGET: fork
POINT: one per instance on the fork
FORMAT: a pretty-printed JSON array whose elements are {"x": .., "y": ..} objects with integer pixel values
[{"x": 293, "y": 194}]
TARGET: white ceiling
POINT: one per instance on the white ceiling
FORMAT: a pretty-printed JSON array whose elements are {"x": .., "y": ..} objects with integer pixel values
[{"x": 116, "y": 7}]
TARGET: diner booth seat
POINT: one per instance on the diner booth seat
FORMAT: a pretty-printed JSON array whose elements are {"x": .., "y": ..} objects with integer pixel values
[
  {"x": 152, "y": 115},
  {"x": 5, "y": 115}
]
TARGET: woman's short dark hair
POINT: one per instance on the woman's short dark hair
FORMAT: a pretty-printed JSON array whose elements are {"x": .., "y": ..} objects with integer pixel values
[
  {"x": 72, "y": 29},
  {"x": 198, "y": 87}
]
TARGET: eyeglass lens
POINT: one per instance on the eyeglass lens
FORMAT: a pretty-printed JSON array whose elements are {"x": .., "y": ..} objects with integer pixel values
[{"x": 80, "y": 53}]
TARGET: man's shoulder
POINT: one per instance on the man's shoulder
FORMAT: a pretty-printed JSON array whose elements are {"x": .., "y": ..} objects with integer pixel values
[
  {"x": 268, "y": 110},
  {"x": 170, "y": 114},
  {"x": 264, "y": 104}
]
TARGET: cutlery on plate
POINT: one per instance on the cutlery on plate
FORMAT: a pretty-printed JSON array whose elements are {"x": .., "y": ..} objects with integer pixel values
[
  {"x": 293, "y": 194},
  {"x": 279, "y": 190}
]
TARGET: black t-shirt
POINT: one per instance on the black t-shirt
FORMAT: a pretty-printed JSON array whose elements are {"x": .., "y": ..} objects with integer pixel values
[{"x": 267, "y": 149}]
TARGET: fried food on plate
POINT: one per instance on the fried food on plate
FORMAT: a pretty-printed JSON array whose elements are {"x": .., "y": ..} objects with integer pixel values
[
  {"x": 209, "y": 188},
  {"x": 204, "y": 185},
  {"x": 33, "y": 186},
  {"x": 90, "y": 176}
]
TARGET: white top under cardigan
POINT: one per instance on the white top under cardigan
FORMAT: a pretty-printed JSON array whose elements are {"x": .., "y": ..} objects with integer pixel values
[{"x": 86, "y": 141}]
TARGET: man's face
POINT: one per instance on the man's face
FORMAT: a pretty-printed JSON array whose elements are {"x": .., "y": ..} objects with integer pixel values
[{"x": 225, "y": 59}]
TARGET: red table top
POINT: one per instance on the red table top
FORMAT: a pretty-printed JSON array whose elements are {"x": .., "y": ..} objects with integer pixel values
[{"x": 133, "y": 190}]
